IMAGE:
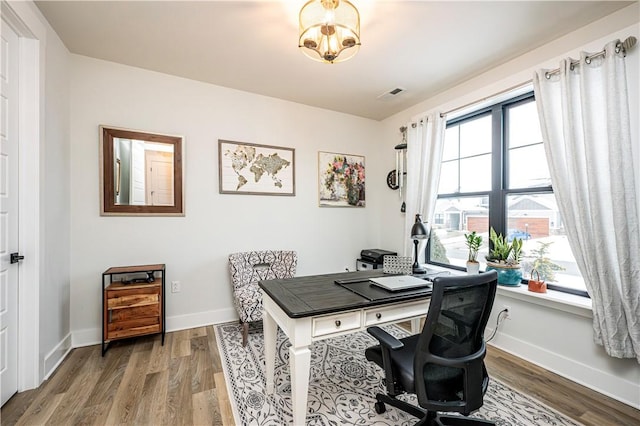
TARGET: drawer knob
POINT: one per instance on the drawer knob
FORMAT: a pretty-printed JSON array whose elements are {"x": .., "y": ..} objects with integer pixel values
[
  {"x": 338, "y": 323},
  {"x": 378, "y": 315}
]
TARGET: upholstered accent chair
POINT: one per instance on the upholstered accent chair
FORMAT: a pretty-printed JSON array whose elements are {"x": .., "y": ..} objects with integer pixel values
[{"x": 247, "y": 268}]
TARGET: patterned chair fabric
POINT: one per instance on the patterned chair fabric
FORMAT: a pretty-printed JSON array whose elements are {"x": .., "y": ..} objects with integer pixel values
[{"x": 247, "y": 268}]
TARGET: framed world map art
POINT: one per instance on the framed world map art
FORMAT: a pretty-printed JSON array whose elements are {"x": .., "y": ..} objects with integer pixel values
[{"x": 246, "y": 168}]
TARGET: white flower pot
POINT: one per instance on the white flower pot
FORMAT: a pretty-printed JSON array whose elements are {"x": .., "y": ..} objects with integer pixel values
[{"x": 473, "y": 268}]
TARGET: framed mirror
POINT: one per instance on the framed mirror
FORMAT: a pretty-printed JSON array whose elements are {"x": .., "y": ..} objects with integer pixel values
[{"x": 140, "y": 173}]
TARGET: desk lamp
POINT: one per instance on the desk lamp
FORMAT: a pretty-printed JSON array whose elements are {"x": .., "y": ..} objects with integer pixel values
[{"x": 418, "y": 232}]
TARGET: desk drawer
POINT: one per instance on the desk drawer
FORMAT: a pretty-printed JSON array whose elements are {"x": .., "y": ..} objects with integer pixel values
[
  {"x": 336, "y": 323},
  {"x": 385, "y": 314}
]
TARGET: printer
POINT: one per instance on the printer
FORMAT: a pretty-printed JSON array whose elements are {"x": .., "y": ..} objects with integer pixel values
[{"x": 372, "y": 259}]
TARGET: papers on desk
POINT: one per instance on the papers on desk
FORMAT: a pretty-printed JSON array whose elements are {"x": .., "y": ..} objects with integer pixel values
[{"x": 399, "y": 282}]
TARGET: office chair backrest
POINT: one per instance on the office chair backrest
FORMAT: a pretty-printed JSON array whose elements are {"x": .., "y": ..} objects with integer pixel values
[{"x": 451, "y": 349}]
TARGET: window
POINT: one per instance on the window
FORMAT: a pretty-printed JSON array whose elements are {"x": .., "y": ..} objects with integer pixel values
[{"x": 494, "y": 174}]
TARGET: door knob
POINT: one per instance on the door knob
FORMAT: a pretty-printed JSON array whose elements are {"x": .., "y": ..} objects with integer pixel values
[{"x": 15, "y": 258}]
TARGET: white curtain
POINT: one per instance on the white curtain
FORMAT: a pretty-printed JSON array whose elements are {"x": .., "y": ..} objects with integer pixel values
[
  {"x": 425, "y": 139},
  {"x": 584, "y": 115}
]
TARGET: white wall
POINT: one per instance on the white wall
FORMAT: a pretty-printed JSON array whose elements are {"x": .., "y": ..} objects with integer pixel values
[
  {"x": 55, "y": 206},
  {"x": 556, "y": 338},
  {"x": 195, "y": 247}
]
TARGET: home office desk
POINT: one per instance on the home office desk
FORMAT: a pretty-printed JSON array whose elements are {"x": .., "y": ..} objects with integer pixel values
[{"x": 308, "y": 309}]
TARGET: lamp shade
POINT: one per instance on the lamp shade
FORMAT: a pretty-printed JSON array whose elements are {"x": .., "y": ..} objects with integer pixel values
[
  {"x": 329, "y": 30},
  {"x": 419, "y": 230}
]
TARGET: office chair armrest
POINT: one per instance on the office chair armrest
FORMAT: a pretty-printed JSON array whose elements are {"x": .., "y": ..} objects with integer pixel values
[
  {"x": 460, "y": 362},
  {"x": 386, "y": 340}
]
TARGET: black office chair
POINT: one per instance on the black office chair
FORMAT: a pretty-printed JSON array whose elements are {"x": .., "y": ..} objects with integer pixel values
[{"x": 443, "y": 365}]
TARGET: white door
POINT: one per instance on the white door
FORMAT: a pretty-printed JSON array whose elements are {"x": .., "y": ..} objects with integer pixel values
[
  {"x": 8, "y": 213},
  {"x": 137, "y": 191},
  {"x": 160, "y": 182}
]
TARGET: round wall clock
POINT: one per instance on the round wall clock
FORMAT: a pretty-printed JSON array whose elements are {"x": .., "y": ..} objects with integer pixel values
[{"x": 392, "y": 180}]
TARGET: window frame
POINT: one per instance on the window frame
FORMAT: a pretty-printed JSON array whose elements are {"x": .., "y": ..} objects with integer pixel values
[{"x": 500, "y": 191}]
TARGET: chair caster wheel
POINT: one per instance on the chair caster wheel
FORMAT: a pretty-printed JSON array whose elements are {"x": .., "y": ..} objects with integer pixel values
[{"x": 380, "y": 407}]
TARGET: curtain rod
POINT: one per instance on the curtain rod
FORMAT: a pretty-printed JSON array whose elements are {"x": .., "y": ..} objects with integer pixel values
[
  {"x": 621, "y": 47},
  {"x": 479, "y": 101}
]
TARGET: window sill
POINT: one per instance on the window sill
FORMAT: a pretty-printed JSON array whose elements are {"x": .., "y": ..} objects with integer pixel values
[
  {"x": 553, "y": 299},
  {"x": 566, "y": 302}
]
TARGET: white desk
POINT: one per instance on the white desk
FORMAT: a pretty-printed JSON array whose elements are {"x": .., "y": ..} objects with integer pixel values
[{"x": 351, "y": 314}]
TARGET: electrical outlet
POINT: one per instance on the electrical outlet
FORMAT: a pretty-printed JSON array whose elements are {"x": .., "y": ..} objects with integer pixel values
[
  {"x": 507, "y": 314},
  {"x": 175, "y": 286}
]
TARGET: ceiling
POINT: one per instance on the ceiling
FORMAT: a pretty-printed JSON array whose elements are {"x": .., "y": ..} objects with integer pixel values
[{"x": 423, "y": 47}]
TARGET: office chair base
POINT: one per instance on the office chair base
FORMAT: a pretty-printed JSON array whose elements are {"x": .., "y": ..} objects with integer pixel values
[
  {"x": 447, "y": 420},
  {"x": 427, "y": 418},
  {"x": 411, "y": 409}
]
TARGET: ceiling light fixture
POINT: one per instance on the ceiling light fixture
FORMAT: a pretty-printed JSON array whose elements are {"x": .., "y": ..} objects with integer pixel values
[{"x": 329, "y": 30}]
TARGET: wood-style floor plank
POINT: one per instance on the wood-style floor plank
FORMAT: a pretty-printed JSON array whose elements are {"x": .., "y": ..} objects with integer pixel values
[
  {"x": 124, "y": 407},
  {"x": 76, "y": 395},
  {"x": 179, "y": 405},
  {"x": 213, "y": 350},
  {"x": 205, "y": 408},
  {"x": 93, "y": 415},
  {"x": 114, "y": 364},
  {"x": 201, "y": 365},
  {"x": 141, "y": 382},
  {"x": 181, "y": 344},
  {"x": 39, "y": 414},
  {"x": 226, "y": 412},
  {"x": 161, "y": 354},
  {"x": 151, "y": 408},
  {"x": 18, "y": 405}
]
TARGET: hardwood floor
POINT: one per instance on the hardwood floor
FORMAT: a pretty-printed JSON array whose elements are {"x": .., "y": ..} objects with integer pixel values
[
  {"x": 138, "y": 381},
  {"x": 141, "y": 382}
]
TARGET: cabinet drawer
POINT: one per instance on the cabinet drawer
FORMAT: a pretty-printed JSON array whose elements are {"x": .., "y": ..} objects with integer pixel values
[
  {"x": 337, "y": 323},
  {"x": 389, "y": 314},
  {"x": 126, "y": 298},
  {"x": 133, "y": 328},
  {"x": 136, "y": 312}
]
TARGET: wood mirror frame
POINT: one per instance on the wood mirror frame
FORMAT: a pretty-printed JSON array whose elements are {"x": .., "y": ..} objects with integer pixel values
[{"x": 108, "y": 205}]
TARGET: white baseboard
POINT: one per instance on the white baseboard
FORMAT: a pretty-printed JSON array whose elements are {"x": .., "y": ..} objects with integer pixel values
[
  {"x": 585, "y": 375},
  {"x": 53, "y": 359},
  {"x": 200, "y": 319},
  {"x": 86, "y": 337},
  {"x": 93, "y": 336}
]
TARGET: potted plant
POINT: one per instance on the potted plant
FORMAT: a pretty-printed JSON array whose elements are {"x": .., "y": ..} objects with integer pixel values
[
  {"x": 505, "y": 257},
  {"x": 474, "y": 241}
]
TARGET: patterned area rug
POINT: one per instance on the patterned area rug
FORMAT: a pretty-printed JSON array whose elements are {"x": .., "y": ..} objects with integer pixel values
[{"x": 343, "y": 385}]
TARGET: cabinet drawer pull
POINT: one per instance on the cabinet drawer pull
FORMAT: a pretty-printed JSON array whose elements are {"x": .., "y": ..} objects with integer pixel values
[
  {"x": 338, "y": 323},
  {"x": 378, "y": 315}
]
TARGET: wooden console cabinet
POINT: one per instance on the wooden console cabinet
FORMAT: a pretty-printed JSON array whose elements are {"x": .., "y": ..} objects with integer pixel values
[{"x": 132, "y": 302}]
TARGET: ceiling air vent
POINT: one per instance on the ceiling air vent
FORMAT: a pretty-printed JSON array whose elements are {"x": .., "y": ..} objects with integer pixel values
[{"x": 390, "y": 94}]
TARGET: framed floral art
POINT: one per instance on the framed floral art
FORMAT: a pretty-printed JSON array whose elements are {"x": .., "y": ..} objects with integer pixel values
[{"x": 341, "y": 180}]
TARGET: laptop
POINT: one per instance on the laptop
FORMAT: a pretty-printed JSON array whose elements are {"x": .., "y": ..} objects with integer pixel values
[{"x": 399, "y": 282}]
